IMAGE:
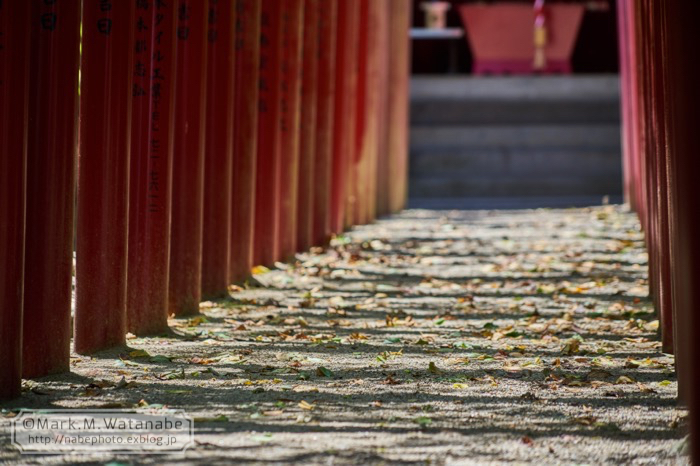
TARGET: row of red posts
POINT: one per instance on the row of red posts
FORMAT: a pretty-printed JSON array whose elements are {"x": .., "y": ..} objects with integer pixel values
[
  {"x": 199, "y": 139},
  {"x": 660, "y": 74}
]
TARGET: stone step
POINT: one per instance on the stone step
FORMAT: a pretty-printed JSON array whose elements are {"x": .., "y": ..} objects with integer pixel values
[
  {"x": 531, "y": 137},
  {"x": 516, "y": 88},
  {"x": 525, "y": 161},
  {"x": 521, "y": 136},
  {"x": 505, "y": 202},
  {"x": 482, "y": 111},
  {"x": 514, "y": 185}
]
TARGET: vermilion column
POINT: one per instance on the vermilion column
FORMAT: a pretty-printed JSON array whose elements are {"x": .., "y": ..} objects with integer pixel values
[
  {"x": 152, "y": 118},
  {"x": 51, "y": 152},
  {"x": 188, "y": 158},
  {"x": 245, "y": 145},
  {"x": 368, "y": 108},
  {"x": 268, "y": 174},
  {"x": 14, "y": 83},
  {"x": 684, "y": 74},
  {"x": 625, "y": 98},
  {"x": 345, "y": 106},
  {"x": 399, "y": 71},
  {"x": 103, "y": 177},
  {"x": 290, "y": 113},
  {"x": 325, "y": 111},
  {"x": 219, "y": 149},
  {"x": 307, "y": 130},
  {"x": 382, "y": 177},
  {"x": 358, "y": 164}
]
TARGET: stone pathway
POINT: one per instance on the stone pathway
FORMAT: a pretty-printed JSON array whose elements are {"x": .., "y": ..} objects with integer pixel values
[{"x": 468, "y": 337}]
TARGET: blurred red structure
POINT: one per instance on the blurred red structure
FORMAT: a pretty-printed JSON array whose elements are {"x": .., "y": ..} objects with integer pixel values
[{"x": 501, "y": 37}]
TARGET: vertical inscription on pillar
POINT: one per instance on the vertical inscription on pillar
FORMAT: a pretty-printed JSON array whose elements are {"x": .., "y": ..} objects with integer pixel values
[
  {"x": 265, "y": 56},
  {"x": 212, "y": 33},
  {"x": 47, "y": 15},
  {"x": 284, "y": 78},
  {"x": 149, "y": 80},
  {"x": 240, "y": 24},
  {"x": 183, "y": 18},
  {"x": 158, "y": 79}
]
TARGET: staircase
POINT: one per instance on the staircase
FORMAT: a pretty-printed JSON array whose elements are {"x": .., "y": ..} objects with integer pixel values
[{"x": 508, "y": 142}]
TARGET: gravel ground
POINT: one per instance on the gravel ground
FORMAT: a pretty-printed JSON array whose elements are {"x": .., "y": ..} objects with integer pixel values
[{"x": 441, "y": 337}]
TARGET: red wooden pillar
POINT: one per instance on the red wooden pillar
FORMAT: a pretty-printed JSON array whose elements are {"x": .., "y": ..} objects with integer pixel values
[
  {"x": 345, "y": 108},
  {"x": 290, "y": 114},
  {"x": 51, "y": 151},
  {"x": 383, "y": 179},
  {"x": 358, "y": 163},
  {"x": 188, "y": 159},
  {"x": 660, "y": 195},
  {"x": 152, "y": 120},
  {"x": 103, "y": 176},
  {"x": 216, "y": 245},
  {"x": 670, "y": 68},
  {"x": 245, "y": 151},
  {"x": 14, "y": 83},
  {"x": 684, "y": 165},
  {"x": 399, "y": 70},
  {"x": 625, "y": 99},
  {"x": 307, "y": 130},
  {"x": 325, "y": 111},
  {"x": 368, "y": 110},
  {"x": 267, "y": 188}
]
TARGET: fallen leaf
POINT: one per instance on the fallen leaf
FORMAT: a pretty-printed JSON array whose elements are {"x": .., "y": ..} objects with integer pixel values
[{"x": 306, "y": 405}]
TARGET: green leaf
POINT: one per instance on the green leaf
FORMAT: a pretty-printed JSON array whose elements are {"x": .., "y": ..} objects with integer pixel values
[
  {"x": 433, "y": 369},
  {"x": 323, "y": 372},
  {"x": 423, "y": 421}
]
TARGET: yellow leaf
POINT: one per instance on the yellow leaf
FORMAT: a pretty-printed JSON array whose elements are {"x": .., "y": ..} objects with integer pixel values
[
  {"x": 623, "y": 379},
  {"x": 139, "y": 354},
  {"x": 305, "y": 405},
  {"x": 260, "y": 270}
]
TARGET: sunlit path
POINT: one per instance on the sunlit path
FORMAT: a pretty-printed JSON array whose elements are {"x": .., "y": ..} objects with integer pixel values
[{"x": 432, "y": 336}]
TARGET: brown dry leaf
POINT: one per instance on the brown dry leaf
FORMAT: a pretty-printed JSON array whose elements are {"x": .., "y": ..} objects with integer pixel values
[
  {"x": 598, "y": 374},
  {"x": 391, "y": 381},
  {"x": 645, "y": 388},
  {"x": 572, "y": 346},
  {"x": 584, "y": 420}
]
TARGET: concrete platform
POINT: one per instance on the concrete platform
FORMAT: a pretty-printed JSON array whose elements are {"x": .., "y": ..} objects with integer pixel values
[{"x": 535, "y": 137}]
